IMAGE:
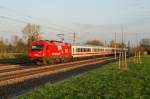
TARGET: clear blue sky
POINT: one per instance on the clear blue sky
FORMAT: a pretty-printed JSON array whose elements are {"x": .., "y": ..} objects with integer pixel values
[{"x": 90, "y": 19}]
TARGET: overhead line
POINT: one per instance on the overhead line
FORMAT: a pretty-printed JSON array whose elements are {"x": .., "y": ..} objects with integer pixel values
[
  {"x": 30, "y": 17},
  {"x": 22, "y": 21}
]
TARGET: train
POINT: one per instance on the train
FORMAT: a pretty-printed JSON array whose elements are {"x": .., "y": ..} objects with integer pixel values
[{"x": 52, "y": 51}]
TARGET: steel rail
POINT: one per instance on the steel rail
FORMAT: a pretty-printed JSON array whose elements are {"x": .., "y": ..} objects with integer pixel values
[{"x": 23, "y": 75}]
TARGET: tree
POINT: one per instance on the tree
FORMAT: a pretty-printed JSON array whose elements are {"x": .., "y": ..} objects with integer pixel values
[
  {"x": 112, "y": 43},
  {"x": 145, "y": 42},
  {"x": 94, "y": 42},
  {"x": 18, "y": 44},
  {"x": 2, "y": 45},
  {"x": 118, "y": 45},
  {"x": 31, "y": 32}
]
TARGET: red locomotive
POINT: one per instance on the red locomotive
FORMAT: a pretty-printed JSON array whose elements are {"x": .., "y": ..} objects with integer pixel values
[{"x": 45, "y": 51}]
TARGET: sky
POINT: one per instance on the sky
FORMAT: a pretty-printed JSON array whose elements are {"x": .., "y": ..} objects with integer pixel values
[{"x": 89, "y": 19}]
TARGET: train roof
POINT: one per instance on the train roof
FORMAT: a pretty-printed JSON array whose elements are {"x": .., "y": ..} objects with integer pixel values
[{"x": 48, "y": 41}]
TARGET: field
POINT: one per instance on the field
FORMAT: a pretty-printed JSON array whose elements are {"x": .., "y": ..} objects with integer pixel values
[
  {"x": 12, "y": 57},
  {"x": 107, "y": 82}
]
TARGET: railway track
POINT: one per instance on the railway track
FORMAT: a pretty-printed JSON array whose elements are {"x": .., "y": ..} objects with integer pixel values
[
  {"x": 9, "y": 68},
  {"x": 12, "y": 63},
  {"x": 20, "y": 75}
]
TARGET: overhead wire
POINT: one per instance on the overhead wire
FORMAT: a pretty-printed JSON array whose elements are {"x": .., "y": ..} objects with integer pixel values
[
  {"x": 53, "y": 28},
  {"x": 28, "y": 17}
]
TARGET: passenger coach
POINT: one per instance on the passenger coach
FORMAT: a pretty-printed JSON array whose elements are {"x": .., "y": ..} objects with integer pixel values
[{"x": 85, "y": 51}]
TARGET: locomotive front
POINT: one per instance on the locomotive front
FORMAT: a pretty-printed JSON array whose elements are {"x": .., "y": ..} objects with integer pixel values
[{"x": 36, "y": 50}]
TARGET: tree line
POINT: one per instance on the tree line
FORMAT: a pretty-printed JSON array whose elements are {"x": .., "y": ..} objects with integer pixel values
[
  {"x": 17, "y": 45},
  {"x": 31, "y": 32},
  {"x": 20, "y": 45}
]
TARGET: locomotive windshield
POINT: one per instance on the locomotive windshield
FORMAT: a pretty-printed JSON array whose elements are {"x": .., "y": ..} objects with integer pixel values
[{"x": 37, "y": 47}]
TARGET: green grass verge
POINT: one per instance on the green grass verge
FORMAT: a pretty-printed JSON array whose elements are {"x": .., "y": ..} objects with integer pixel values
[
  {"x": 107, "y": 82},
  {"x": 12, "y": 58}
]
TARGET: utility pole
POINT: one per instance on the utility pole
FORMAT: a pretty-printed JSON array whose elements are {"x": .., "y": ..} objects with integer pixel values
[
  {"x": 115, "y": 47},
  {"x": 74, "y": 38},
  {"x": 105, "y": 43},
  {"x": 129, "y": 49},
  {"x": 122, "y": 55},
  {"x": 137, "y": 56},
  {"x": 122, "y": 37}
]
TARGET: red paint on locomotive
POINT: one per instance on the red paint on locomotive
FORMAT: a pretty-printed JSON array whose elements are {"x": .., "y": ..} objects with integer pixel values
[{"x": 46, "y": 49}]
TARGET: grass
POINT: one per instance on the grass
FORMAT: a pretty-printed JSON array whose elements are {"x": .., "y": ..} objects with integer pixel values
[
  {"x": 6, "y": 56},
  {"x": 12, "y": 57},
  {"x": 107, "y": 82}
]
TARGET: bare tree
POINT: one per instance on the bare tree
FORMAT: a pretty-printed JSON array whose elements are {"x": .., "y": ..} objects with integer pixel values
[
  {"x": 31, "y": 32},
  {"x": 19, "y": 44},
  {"x": 118, "y": 45},
  {"x": 94, "y": 42},
  {"x": 145, "y": 42}
]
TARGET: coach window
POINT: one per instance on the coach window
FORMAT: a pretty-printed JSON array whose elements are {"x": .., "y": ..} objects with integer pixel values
[
  {"x": 73, "y": 50},
  {"x": 99, "y": 50},
  {"x": 84, "y": 50},
  {"x": 77, "y": 49},
  {"x": 81, "y": 49},
  {"x": 95, "y": 50},
  {"x": 89, "y": 50}
]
